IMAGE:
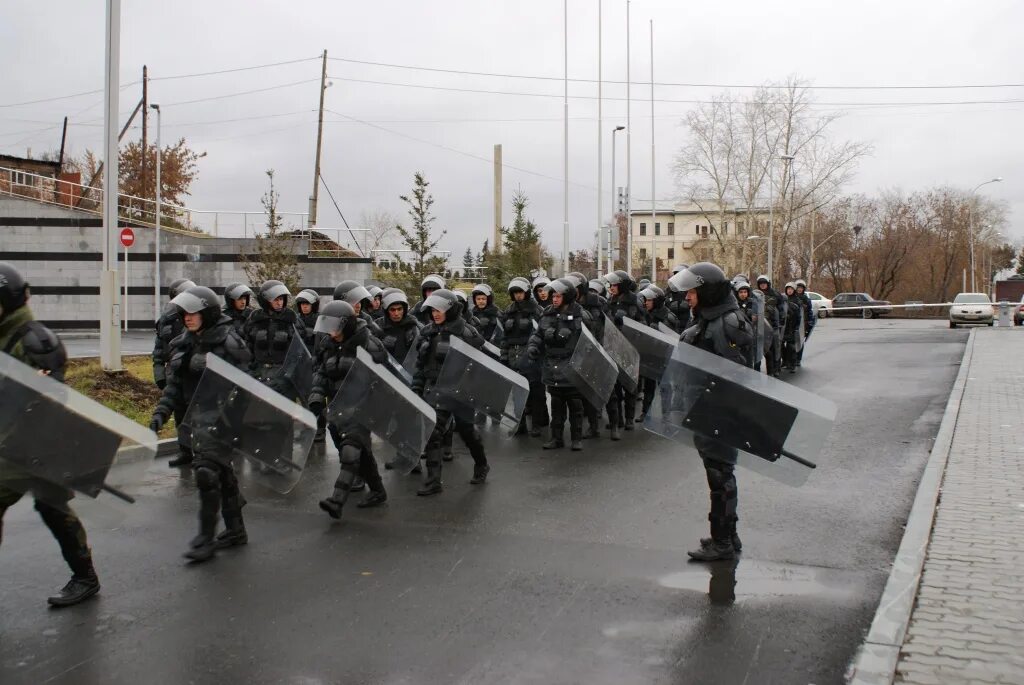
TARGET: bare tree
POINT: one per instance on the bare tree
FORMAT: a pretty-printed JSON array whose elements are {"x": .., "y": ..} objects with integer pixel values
[{"x": 380, "y": 231}]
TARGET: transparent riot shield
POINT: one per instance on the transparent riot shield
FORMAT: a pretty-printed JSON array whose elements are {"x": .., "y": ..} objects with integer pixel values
[
  {"x": 667, "y": 330},
  {"x": 798, "y": 339},
  {"x": 471, "y": 382},
  {"x": 399, "y": 370},
  {"x": 373, "y": 399},
  {"x": 759, "y": 328},
  {"x": 777, "y": 429},
  {"x": 654, "y": 347},
  {"x": 297, "y": 368},
  {"x": 235, "y": 418},
  {"x": 54, "y": 441},
  {"x": 409, "y": 363},
  {"x": 491, "y": 349},
  {"x": 624, "y": 355},
  {"x": 591, "y": 370}
]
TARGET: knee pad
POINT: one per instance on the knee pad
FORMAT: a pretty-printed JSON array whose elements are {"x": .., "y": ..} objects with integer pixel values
[
  {"x": 207, "y": 478},
  {"x": 349, "y": 454}
]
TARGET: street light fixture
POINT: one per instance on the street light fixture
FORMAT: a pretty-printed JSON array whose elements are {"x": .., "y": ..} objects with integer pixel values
[
  {"x": 614, "y": 204},
  {"x": 970, "y": 223}
]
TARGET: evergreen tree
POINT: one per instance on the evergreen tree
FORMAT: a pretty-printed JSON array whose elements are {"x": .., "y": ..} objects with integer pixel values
[
  {"x": 275, "y": 257},
  {"x": 419, "y": 239}
]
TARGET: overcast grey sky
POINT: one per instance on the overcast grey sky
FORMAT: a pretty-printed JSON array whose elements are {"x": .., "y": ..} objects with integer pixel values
[{"x": 59, "y": 51}]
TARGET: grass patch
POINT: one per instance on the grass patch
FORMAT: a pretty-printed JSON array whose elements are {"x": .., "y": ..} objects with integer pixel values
[{"x": 131, "y": 393}]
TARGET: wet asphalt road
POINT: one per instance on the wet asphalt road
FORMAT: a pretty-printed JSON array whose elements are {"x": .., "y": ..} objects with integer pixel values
[
  {"x": 563, "y": 568},
  {"x": 87, "y": 344}
]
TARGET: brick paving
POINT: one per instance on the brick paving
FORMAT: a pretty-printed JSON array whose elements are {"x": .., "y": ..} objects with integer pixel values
[{"x": 967, "y": 625}]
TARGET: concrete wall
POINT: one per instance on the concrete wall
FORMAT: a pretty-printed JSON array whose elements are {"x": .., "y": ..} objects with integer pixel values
[{"x": 59, "y": 251}]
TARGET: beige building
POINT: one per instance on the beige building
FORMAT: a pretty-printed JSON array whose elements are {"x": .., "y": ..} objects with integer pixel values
[{"x": 683, "y": 232}]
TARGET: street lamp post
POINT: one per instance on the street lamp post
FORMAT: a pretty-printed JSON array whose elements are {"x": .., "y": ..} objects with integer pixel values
[
  {"x": 970, "y": 223},
  {"x": 771, "y": 214},
  {"x": 156, "y": 243},
  {"x": 109, "y": 314},
  {"x": 615, "y": 214}
]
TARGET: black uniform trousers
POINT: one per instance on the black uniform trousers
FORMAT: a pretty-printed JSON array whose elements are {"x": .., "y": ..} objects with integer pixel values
[
  {"x": 58, "y": 517},
  {"x": 720, "y": 467},
  {"x": 566, "y": 402},
  {"x": 365, "y": 465}
]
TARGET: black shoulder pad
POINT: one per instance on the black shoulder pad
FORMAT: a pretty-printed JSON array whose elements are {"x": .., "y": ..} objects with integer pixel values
[
  {"x": 237, "y": 349},
  {"x": 43, "y": 349}
]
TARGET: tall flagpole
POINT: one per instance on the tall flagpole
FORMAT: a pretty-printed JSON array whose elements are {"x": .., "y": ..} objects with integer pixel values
[
  {"x": 600, "y": 133},
  {"x": 654, "y": 202},
  {"x": 565, "y": 151},
  {"x": 629, "y": 161}
]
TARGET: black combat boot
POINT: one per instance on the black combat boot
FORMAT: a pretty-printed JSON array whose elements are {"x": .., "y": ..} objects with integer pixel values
[
  {"x": 557, "y": 440},
  {"x": 183, "y": 460},
  {"x": 342, "y": 487},
  {"x": 432, "y": 485},
  {"x": 522, "y": 429},
  {"x": 593, "y": 431},
  {"x": 720, "y": 547},
  {"x": 234, "y": 533},
  {"x": 203, "y": 546},
  {"x": 374, "y": 498},
  {"x": 480, "y": 472},
  {"x": 449, "y": 438},
  {"x": 78, "y": 589}
]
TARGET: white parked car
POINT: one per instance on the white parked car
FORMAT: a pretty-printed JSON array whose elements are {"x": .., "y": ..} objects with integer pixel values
[
  {"x": 821, "y": 305},
  {"x": 971, "y": 308}
]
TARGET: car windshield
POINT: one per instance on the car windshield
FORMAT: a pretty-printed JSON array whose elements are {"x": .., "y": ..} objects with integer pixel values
[
  {"x": 971, "y": 298},
  {"x": 814, "y": 296}
]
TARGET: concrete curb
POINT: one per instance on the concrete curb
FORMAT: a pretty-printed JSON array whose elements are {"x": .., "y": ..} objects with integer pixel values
[{"x": 876, "y": 661}]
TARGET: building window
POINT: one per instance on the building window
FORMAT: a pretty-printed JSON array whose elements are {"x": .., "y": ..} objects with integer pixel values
[
  {"x": 657, "y": 228},
  {"x": 671, "y": 253},
  {"x": 643, "y": 229},
  {"x": 697, "y": 229},
  {"x": 703, "y": 230},
  {"x": 22, "y": 178},
  {"x": 741, "y": 226},
  {"x": 643, "y": 254},
  {"x": 725, "y": 228},
  {"x": 671, "y": 228}
]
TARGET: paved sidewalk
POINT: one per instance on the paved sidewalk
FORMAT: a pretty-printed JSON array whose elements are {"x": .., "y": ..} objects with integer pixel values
[{"x": 967, "y": 624}]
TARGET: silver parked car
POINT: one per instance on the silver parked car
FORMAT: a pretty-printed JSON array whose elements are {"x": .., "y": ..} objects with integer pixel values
[{"x": 971, "y": 308}]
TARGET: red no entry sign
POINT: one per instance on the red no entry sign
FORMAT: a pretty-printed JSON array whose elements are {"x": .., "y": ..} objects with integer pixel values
[{"x": 127, "y": 237}]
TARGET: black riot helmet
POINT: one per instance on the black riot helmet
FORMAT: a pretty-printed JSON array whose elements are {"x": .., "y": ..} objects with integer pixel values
[
  {"x": 178, "y": 286},
  {"x": 199, "y": 300},
  {"x": 621, "y": 279},
  {"x": 596, "y": 285},
  {"x": 644, "y": 282},
  {"x": 444, "y": 301},
  {"x": 521, "y": 284},
  {"x": 351, "y": 292},
  {"x": 707, "y": 279},
  {"x": 763, "y": 278},
  {"x": 13, "y": 290},
  {"x": 538, "y": 283},
  {"x": 679, "y": 267},
  {"x": 566, "y": 287},
  {"x": 309, "y": 296},
  {"x": 235, "y": 291},
  {"x": 655, "y": 294},
  {"x": 486, "y": 291},
  {"x": 432, "y": 282},
  {"x": 270, "y": 291},
  {"x": 336, "y": 315}
]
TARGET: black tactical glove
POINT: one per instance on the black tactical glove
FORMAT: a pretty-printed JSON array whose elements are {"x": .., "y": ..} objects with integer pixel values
[
  {"x": 157, "y": 422},
  {"x": 316, "y": 405},
  {"x": 161, "y": 383},
  {"x": 533, "y": 353}
]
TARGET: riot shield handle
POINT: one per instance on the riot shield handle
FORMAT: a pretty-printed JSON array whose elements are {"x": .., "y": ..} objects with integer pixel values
[
  {"x": 799, "y": 460},
  {"x": 117, "y": 493}
]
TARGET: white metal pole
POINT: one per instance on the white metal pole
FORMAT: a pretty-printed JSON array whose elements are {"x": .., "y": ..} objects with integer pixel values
[
  {"x": 629, "y": 161},
  {"x": 125, "y": 296},
  {"x": 615, "y": 207},
  {"x": 654, "y": 202},
  {"x": 565, "y": 140},
  {"x": 156, "y": 245},
  {"x": 771, "y": 217},
  {"x": 109, "y": 314},
  {"x": 600, "y": 134}
]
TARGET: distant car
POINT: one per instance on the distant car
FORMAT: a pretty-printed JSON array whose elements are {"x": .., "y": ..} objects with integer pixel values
[
  {"x": 971, "y": 308},
  {"x": 821, "y": 305},
  {"x": 1018, "y": 314},
  {"x": 852, "y": 304}
]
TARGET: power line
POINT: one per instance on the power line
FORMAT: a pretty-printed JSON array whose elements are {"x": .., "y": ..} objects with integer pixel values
[
  {"x": 667, "y": 100},
  {"x": 240, "y": 93},
  {"x": 231, "y": 71},
  {"x": 559, "y": 79},
  {"x": 65, "y": 97}
]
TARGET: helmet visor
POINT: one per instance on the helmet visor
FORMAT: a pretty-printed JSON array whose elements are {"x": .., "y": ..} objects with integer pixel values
[
  {"x": 276, "y": 291},
  {"x": 357, "y": 294},
  {"x": 328, "y": 324},
  {"x": 191, "y": 304},
  {"x": 685, "y": 280},
  {"x": 440, "y": 303},
  {"x": 237, "y": 291}
]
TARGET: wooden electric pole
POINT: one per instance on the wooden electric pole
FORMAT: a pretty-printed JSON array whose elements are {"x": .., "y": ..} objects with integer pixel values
[
  {"x": 319, "y": 141},
  {"x": 145, "y": 128}
]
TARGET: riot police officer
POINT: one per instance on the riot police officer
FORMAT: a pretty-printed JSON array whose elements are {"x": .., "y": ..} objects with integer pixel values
[
  {"x": 677, "y": 302},
  {"x": 721, "y": 329},
  {"x": 237, "y": 298},
  {"x": 430, "y": 284},
  {"x": 590, "y": 295},
  {"x": 540, "y": 292},
  {"x": 345, "y": 333},
  {"x": 655, "y": 312},
  {"x": 791, "y": 328},
  {"x": 398, "y": 327},
  {"x": 485, "y": 311},
  {"x": 32, "y": 343},
  {"x": 376, "y": 299},
  {"x": 446, "y": 321},
  {"x": 774, "y": 312},
  {"x": 518, "y": 321},
  {"x": 307, "y": 305},
  {"x": 208, "y": 331},
  {"x": 622, "y": 304},
  {"x": 269, "y": 332},
  {"x": 168, "y": 327},
  {"x": 554, "y": 342},
  {"x": 360, "y": 299},
  {"x": 809, "y": 318}
]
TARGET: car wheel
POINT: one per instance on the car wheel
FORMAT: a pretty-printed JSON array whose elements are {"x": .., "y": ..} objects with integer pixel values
[
  {"x": 991, "y": 323},
  {"x": 952, "y": 325}
]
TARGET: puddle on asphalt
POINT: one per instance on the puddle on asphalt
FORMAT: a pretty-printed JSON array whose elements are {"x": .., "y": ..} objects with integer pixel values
[{"x": 733, "y": 581}]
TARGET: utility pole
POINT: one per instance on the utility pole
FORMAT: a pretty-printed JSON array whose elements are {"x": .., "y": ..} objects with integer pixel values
[
  {"x": 629, "y": 161},
  {"x": 497, "y": 198},
  {"x": 145, "y": 130},
  {"x": 600, "y": 133},
  {"x": 565, "y": 151},
  {"x": 319, "y": 141},
  {"x": 110, "y": 314},
  {"x": 654, "y": 202}
]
